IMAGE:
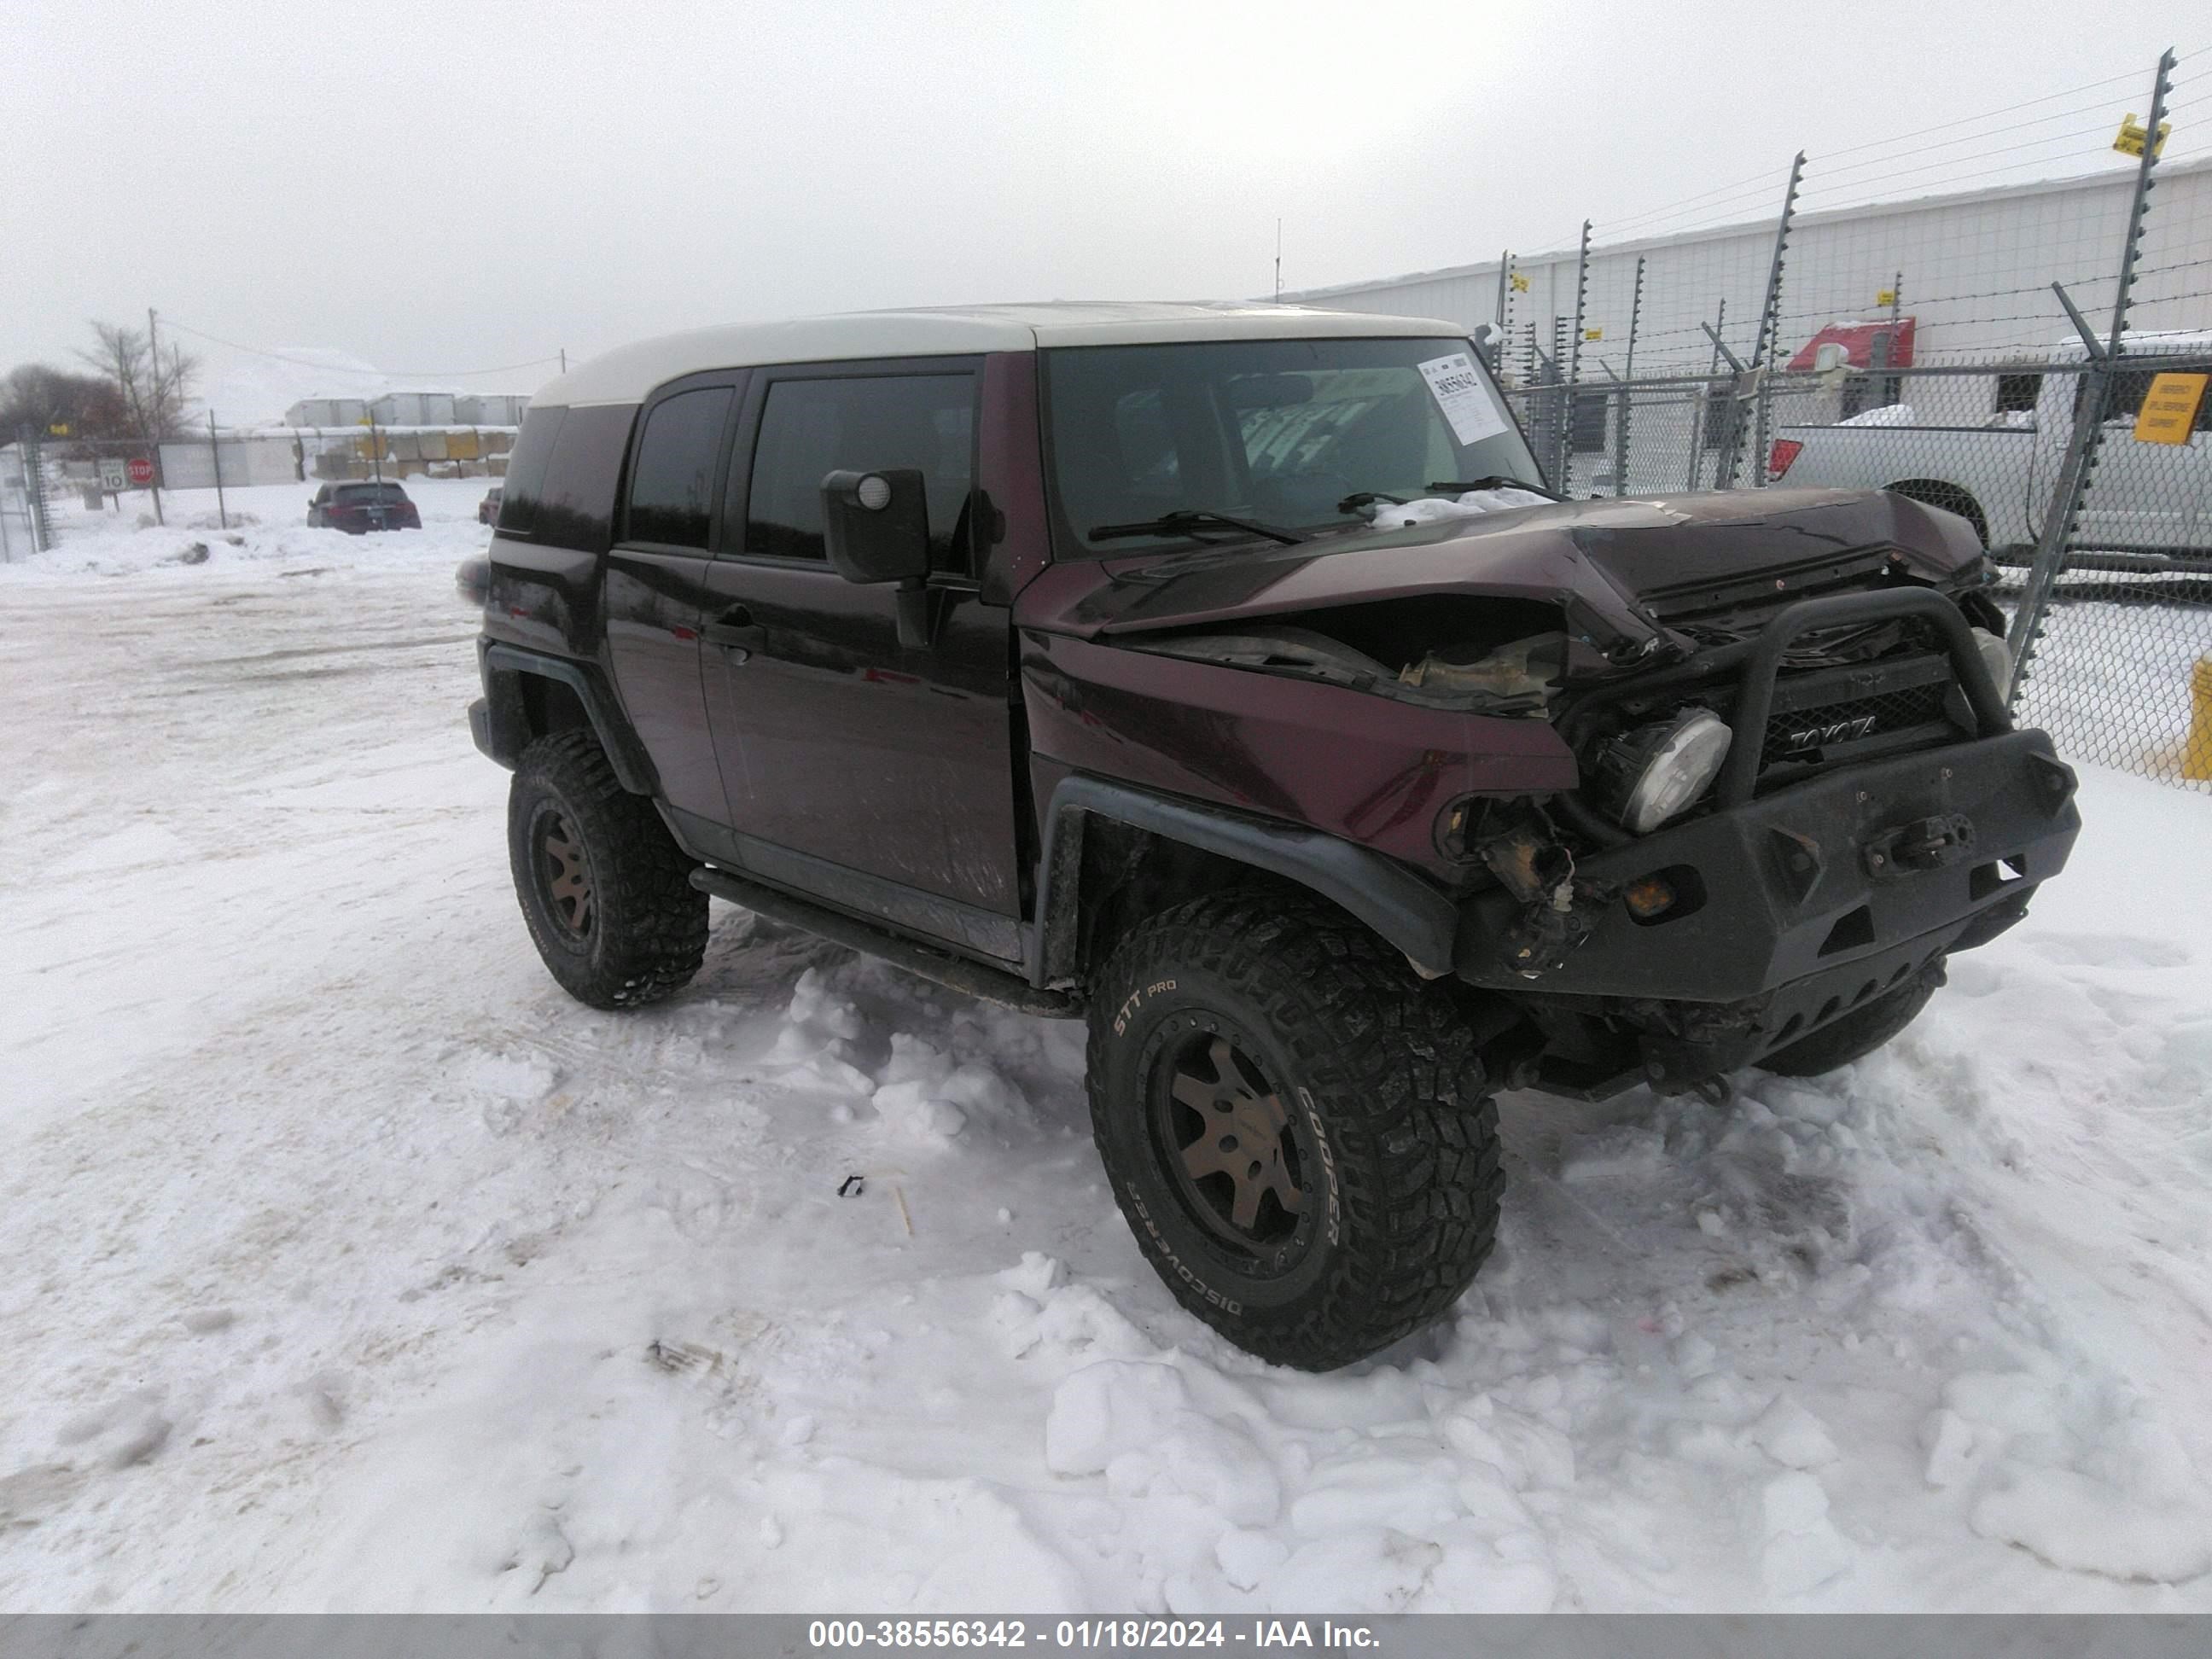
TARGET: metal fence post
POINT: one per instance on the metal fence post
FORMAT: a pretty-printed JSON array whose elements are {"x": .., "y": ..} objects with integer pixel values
[
  {"x": 1562, "y": 433},
  {"x": 1573, "y": 358},
  {"x": 1628, "y": 374},
  {"x": 1769, "y": 324},
  {"x": 214, "y": 455},
  {"x": 1504, "y": 289},
  {"x": 1704, "y": 398},
  {"x": 1731, "y": 445},
  {"x": 34, "y": 493},
  {"x": 2083, "y": 443}
]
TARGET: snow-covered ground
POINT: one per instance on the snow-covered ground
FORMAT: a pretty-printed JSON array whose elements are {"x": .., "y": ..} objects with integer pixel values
[{"x": 351, "y": 1266}]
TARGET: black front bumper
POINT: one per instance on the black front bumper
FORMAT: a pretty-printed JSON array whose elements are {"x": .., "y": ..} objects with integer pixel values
[{"x": 1813, "y": 889}]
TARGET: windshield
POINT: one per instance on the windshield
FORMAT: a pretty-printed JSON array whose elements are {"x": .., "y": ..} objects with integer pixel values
[
  {"x": 371, "y": 492},
  {"x": 1279, "y": 432}
]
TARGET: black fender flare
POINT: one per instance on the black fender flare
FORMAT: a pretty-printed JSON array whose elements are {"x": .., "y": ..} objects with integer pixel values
[
  {"x": 1408, "y": 913},
  {"x": 502, "y": 729}
]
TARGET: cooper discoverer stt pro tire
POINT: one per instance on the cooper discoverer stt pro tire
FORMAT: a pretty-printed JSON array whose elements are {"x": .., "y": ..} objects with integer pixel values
[
  {"x": 1296, "y": 1126},
  {"x": 606, "y": 889}
]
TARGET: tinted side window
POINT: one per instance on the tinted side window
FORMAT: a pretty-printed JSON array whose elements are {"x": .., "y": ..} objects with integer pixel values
[
  {"x": 808, "y": 427},
  {"x": 525, "y": 470},
  {"x": 672, "y": 484},
  {"x": 577, "y": 507}
]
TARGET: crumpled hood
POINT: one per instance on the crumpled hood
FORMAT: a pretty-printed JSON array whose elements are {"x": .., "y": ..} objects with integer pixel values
[{"x": 1621, "y": 569}]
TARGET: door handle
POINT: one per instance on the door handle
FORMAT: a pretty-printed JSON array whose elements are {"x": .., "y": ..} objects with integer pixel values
[{"x": 734, "y": 630}]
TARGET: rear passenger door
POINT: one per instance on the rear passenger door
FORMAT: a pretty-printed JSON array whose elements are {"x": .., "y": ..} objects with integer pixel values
[
  {"x": 875, "y": 775},
  {"x": 656, "y": 584}
]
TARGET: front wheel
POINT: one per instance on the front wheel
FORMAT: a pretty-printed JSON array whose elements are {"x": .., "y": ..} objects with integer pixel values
[
  {"x": 1296, "y": 1129},
  {"x": 606, "y": 889}
]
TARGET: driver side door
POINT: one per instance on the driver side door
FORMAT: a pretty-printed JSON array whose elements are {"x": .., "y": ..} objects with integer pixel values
[{"x": 876, "y": 775}]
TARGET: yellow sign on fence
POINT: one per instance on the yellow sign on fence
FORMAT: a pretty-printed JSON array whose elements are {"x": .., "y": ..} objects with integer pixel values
[
  {"x": 2130, "y": 141},
  {"x": 1592, "y": 334},
  {"x": 2169, "y": 408}
]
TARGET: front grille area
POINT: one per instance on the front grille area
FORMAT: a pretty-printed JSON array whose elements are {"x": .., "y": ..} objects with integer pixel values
[{"x": 1828, "y": 716}]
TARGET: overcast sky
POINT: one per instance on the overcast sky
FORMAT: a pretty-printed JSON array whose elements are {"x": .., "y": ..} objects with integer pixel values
[{"x": 470, "y": 184}]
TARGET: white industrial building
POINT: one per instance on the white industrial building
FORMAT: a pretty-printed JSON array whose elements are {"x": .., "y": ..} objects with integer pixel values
[
  {"x": 1970, "y": 273},
  {"x": 438, "y": 409}
]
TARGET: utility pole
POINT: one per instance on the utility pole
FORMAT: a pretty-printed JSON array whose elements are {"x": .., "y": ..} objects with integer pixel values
[
  {"x": 154, "y": 415},
  {"x": 564, "y": 360},
  {"x": 1278, "y": 261},
  {"x": 215, "y": 454}
]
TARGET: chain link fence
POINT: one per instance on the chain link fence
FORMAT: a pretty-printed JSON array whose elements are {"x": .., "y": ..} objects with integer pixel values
[
  {"x": 2080, "y": 452},
  {"x": 2116, "y": 578},
  {"x": 55, "y": 487}
]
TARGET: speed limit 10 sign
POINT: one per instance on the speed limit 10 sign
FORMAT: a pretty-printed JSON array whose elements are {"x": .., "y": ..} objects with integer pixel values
[{"x": 111, "y": 475}]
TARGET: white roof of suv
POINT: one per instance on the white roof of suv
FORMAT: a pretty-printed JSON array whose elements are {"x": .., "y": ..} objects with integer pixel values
[{"x": 626, "y": 375}]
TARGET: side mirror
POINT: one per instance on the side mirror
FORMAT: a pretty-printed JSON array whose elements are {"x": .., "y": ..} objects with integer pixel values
[{"x": 876, "y": 525}]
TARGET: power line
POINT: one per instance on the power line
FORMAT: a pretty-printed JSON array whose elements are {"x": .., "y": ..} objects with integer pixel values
[
  {"x": 2103, "y": 126},
  {"x": 1746, "y": 186},
  {"x": 1650, "y": 223},
  {"x": 1956, "y": 160},
  {"x": 392, "y": 374},
  {"x": 2085, "y": 177},
  {"x": 1968, "y": 120},
  {"x": 1815, "y": 185}
]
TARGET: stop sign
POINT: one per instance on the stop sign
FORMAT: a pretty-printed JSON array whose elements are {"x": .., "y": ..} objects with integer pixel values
[{"x": 142, "y": 470}]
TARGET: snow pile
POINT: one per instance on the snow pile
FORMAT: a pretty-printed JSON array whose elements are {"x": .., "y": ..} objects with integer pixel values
[
  {"x": 356, "y": 1268},
  {"x": 1430, "y": 509}
]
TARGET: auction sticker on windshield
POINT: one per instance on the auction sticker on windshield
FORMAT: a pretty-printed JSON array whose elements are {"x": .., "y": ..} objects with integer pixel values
[{"x": 1458, "y": 389}]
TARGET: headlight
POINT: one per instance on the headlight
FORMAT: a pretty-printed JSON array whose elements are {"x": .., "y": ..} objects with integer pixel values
[
  {"x": 1647, "y": 776},
  {"x": 1996, "y": 657}
]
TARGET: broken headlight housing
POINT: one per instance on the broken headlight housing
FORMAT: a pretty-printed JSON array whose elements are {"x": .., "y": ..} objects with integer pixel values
[{"x": 1650, "y": 773}]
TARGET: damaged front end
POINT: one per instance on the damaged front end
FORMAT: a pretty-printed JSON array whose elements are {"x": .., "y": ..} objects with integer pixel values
[
  {"x": 1863, "y": 809},
  {"x": 1701, "y": 774}
]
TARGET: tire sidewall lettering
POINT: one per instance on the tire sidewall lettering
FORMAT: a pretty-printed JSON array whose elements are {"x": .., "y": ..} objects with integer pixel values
[
  {"x": 1274, "y": 1280},
  {"x": 1136, "y": 1000},
  {"x": 1173, "y": 1262},
  {"x": 1333, "y": 1215}
]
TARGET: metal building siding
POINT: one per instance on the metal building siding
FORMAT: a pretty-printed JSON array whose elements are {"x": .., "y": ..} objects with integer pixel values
[{"x": 1976, "y": 266}]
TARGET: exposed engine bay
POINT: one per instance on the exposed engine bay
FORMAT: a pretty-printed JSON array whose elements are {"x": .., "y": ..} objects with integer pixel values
[{"x": 1652, "y": 724}]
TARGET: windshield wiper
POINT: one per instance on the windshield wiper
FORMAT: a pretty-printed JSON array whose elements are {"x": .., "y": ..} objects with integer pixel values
[
  {"x": 1190, "y": 523},
  {"x": 1494, "y": 480},
  {"x": 1354, "y": 502}
]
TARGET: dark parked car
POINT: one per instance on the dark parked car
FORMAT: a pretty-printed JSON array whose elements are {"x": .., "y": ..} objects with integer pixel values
[
  {"x": 487, "y": 508},
  {"x": 1087, "y": 659},
  {"x": 357, "y": 509}
]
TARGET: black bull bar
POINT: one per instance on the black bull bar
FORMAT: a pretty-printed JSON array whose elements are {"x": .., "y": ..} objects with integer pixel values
[{"x": 1885, "y": 864}]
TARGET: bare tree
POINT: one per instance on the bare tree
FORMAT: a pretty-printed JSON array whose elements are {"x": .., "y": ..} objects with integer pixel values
[
  {"x": 152, "y": 389},
  {"x": 49, "y": 400}
]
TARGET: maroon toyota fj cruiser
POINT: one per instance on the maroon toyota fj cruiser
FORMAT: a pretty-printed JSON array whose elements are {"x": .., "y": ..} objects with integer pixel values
[{"x": 1227, "y": 677}]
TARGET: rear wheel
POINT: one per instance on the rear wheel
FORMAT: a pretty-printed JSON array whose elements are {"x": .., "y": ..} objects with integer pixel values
[
  {"x": 1860, "y": 1031},
  {"x": 1296, "y": 1129},
  {"x": 604, "y": 889}
]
